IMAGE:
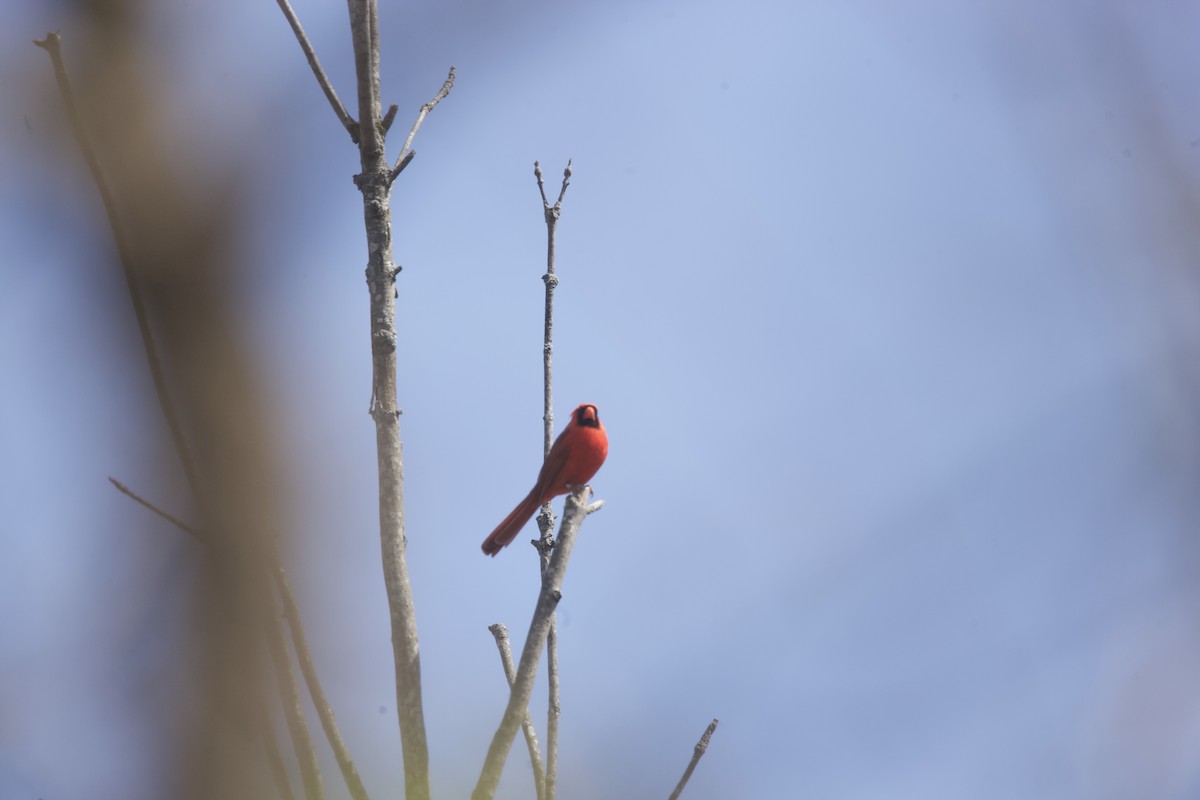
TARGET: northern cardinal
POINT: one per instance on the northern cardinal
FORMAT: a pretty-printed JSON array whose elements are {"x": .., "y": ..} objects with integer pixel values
[{"x": 574, "y": 458}]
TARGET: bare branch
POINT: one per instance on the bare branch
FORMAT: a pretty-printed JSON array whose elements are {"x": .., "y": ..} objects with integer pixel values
[
  {"x": 551, "y": 214},
  {"x": 343, "y": 116},
  {"x": 535, "y": 640},
  {"x": 500, "y": 633},
  {"x": 697, "y": 754},
  {"x": 374, "y": 181},
  {"x": 52, "y": 44},
  {"x": 412, "y": 134}
]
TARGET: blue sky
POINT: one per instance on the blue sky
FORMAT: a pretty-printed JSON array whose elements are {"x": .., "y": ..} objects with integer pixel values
[{"x": 890, "y": 311}]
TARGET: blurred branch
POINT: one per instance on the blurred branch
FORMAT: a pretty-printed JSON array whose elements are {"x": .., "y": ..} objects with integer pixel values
[
  {"x": 343, "y": 116},
  {"x": 275, "y": 761},
  {"x": 291, "y": 611},
  {"x": 172, "y": 259},
  {"x": 289, "y": 696},
  {"x": 179, "y": 258},
  {"x": 697, "y": 754},
  {"x": 500, "y": 633},
  {"x": 545, "y": 543},
  {"x": 52, "y": 44},
  {"x": 576, "y": 508}
]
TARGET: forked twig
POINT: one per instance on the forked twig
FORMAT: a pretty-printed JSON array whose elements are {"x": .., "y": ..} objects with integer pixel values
[
  {"x": 546, "y": 518},
  {"x": 537, "y": 171},
  {"x": 500, "y": 633},
  {"x": 697, "y": 754}
]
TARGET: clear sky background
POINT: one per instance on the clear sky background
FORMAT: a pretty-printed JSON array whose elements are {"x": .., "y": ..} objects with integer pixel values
[{"x": 890, "y": 309}]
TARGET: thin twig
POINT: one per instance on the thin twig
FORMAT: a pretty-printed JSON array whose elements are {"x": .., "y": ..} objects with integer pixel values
[
  {"x": 697, "y": 754},
  {"x": 52, "y": 44},
  {"x": 390, "y": 117},
  {"x": 178, "y": 523},
  {"x": 500, "y": 633},
  {"x": 404, "y": 162},
  {"x": 401, "y": 163},
  {"x": 291, "y": 611},
  {"x": 565, "y": 183},
  {"x": 576, "y": 508},
  {"x": 546, "y": 518},
  {"x": 537, "y": 172},
  {"x": 343, "y": 116}
]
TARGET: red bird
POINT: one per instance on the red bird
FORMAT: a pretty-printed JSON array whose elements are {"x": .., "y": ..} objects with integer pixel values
[{"x": 574, "y": 458}]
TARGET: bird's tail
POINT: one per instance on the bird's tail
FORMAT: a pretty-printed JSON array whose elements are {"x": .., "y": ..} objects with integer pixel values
[{"x": 507, "y": 530}]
